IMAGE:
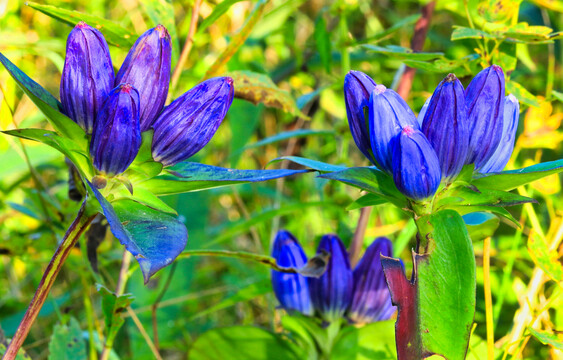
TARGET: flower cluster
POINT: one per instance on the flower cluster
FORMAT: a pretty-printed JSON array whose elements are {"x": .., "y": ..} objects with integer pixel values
[
  {"x": 361, "y": 295},
  {"x": 116, "y": 109},
  {"x": 455, "y": 127}
]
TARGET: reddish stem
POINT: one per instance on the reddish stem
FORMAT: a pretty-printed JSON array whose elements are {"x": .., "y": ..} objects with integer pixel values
[{"x": 71, "y": 237}]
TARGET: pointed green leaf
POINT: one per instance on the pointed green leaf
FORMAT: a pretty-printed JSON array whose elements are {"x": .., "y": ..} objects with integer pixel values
[
  {"x": 312, "y": 164},
  {"x": 114, "y": 34},
  {"x": 547, "y": 338},
  {"x": 403, "y": 53},
  {"x": 188, "y": 176},
  {"x": 480, "y": 225},
  {"x": 511, "y": 179},
  {"x": 112, "y": 307},
  {"x": 372, "y": 180},
  {"x": 322, "y": 39},
  {"x": 370, "y": 199},
  {"x": 479, "y": 196},
  {"x": 220, "y": 9}
]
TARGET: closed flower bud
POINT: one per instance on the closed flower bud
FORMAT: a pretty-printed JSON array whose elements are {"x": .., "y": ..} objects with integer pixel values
[
  {"x": 371, "y": 300},
  {"x": 147, "y": 68},
  {"x": 87, "y": 76},
  {"x": 117, "y": 137},
  {"x": 332, "y": 292},
  {"x": 188, "y": 124},
  {"x": 502, "y": 154},
  {"x": 357, "y": 90},
  {"x": 388, "y": 114},
  {"x": 484, "y": 99},
  {"x": 445, "y": 126},
  {"x": 416, "y": 169},
  {"x": 292, "y": 290}
]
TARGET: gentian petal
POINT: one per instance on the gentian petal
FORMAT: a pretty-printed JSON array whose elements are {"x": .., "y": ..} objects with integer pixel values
[
  {"x": 117, "y": 137},
  {"x": 445, "y": 126},
  {"x": 484, "y": 99},
  {"x": 388, "y": 114},
  {"x": 292, "y": 290},
  {"x": 371, "y": 300},
  {"x": 502, "y": 154},
  {"x": 147, "y": 68},
  {"x": 87, "y": 76},
  {"x": 416, "y": 169},
  {"x": 332, "y": 292},
  {"x": 357, "y": 90},
  {"x": 188, "y": 124}
]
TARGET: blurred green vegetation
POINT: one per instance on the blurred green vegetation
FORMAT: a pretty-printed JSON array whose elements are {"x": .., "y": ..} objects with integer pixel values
[{"x": 305, "y": 48}]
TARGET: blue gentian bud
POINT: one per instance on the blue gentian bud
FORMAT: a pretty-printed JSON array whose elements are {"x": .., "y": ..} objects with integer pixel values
[
  {"x": 484, "y": 100},
  {"x": 371, "y": 300},
  {"x": 189, "y": 123},
  {"x": 147, "y": 68},
  {"x": 388, "y": 114},
  {"x": 117, "y": 137},
  {"x": 416, "y": 168},
  {"x": 502, "y": 154},
  {"x": 357, "y": 91},
  {"x": 332, "y": 292},
  {"x": 87, "y": 77},
  {"x": 445, "y": 126},
  {"x": 292, "y": 290}
]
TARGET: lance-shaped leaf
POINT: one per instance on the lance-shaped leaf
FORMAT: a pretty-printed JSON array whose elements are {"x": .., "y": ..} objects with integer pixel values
[
  {"x": 437, "y": 306},
  {"x": 154, "y": 238},
  {"x": 369, "y": 179},
  {"x": 188, "y": 176},
  {"x": 467, "y": 196},
  {"x": 49, "y": 106},
  {"x": 508, "y": 180}
]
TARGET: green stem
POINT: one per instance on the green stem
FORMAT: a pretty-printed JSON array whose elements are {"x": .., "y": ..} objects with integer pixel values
[{"x": 83, "y": 219}]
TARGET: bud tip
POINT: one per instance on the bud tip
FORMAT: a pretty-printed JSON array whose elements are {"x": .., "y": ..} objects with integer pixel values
[
  {"x": 81, "y": 25},
  {"x": 162, "y": 32},
  {"x": 450, "y": 78},
  {"x": 379, "y": 89}
]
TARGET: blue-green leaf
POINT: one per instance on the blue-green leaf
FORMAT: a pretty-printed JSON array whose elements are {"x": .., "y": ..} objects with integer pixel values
[
  {"x": 312, "y": 164},
  {"x": 511, "y": 179},
  {"x": 188, "y": 176},
  {"x": 46, "y": 102}
]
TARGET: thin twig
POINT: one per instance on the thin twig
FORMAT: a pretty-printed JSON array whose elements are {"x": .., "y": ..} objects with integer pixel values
[
  {"x": 157, "y": 302},
  {"x": 143, "y": 333},
  {"x": 186, "y": 50}
]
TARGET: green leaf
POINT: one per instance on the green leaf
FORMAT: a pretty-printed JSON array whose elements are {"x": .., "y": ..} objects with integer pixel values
[
  {"x": 461, "y": 32},
  {"x": 497, "y": 210},
  {"x": 373, "y": 341},
  {"x": 162, "y": 12},
  {"x": 522, "y": 94},
  {"x": 312, "y": 164},
  {"x": 547, "y": 338},
  {"x": 479, "y": 196},
  {"x": 545, "y": 259},
  {"x": 460, "y": 66},
  {"x": 260, "y": 89},
  {"x": 154, "y": 238},
  {"x": 480, "y": 225},
  {"x": 112, "y": 307},
  {"x": 322, "y": 39},
  {"x": 67, "y": 342},
  {"x": 436, "y": 309},
  {"x": 114, "y": 34},
  {"x": 243, "y": 343},
  {"x": 187, "y": 176},
  {"x": 369, "y": 199},
  {"x": 528, "y": 34},
  {"x": 397, "y": 25},
  {"x": 145, "y": 197},
  {"x": 220, "y": 9},
  {"x": 72, "y": 150},
  {"x": 49, "y": 106},
  {"x": 403, "y": 53},
  {"x": 511, "y": 179},
  {"x": 372, "y": 180}
]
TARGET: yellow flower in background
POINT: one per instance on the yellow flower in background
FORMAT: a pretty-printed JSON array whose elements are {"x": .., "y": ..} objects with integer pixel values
[{"x": 541, "y": 127}]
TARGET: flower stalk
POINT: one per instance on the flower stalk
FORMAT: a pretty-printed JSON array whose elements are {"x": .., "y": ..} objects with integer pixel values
[{"x": 80, "y": 224}]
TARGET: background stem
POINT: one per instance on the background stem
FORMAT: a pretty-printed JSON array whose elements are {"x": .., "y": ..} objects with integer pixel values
[{"x": 71, "y": 237}]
